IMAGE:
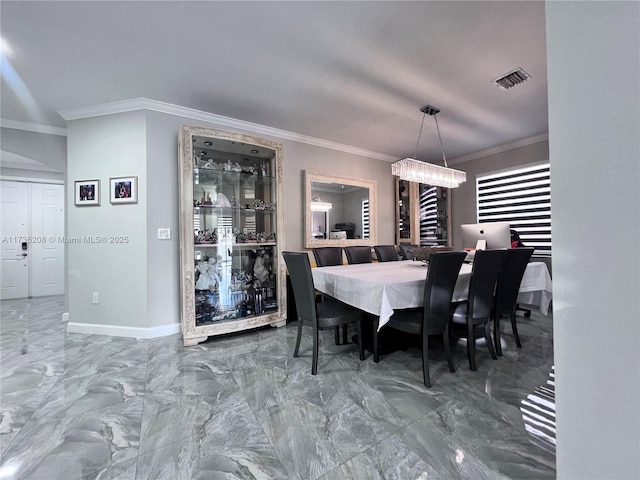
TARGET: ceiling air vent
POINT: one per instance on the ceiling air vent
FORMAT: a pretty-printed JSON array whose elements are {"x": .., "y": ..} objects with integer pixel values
[{"x": 511, "y": 79}]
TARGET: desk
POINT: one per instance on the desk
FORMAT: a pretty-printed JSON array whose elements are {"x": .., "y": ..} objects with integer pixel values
[{"x": 381, "y": 288}]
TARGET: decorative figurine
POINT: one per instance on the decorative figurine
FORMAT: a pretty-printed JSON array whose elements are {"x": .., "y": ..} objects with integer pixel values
[{"x": 208, "y": 278}]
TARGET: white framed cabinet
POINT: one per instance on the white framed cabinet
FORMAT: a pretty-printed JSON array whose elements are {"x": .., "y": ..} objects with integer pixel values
[{"x": 232, "y": 273}]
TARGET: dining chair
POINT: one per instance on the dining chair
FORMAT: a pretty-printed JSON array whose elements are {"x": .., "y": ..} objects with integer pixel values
[
  {"x": 358, "y": 255},
  {"x": 324, "y": 315},
  {"x": 406, "y": 251},
  {"x": 433, "y": 317},
  {"x": 329, "y": 257},
  {"x": 477, "y": 309},
  {"x": 386, "y": 253},
  {"x": 507, "y": 288}
]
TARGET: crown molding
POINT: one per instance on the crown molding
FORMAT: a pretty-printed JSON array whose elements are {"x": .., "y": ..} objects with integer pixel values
[
  {"x": 500, "y": 148},
  {"x": 192, "y": 114},
  {"x": 33, "y": 127}
]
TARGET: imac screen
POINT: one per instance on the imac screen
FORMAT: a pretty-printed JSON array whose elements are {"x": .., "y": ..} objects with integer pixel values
[{"x": 496, "y": 234}]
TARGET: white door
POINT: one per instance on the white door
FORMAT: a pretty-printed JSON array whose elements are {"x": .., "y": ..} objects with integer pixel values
[
  {"x": 32, "y": 248},
  {"x": 15, "y": 230},
  {"x": 46, "y": 248}
]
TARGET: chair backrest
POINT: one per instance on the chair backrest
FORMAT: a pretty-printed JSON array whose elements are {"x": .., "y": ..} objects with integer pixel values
[
  {"x": 358, "y": 255},
  {"x": 327, "y": 256},
  {"x": 302, "y": 282},
  {"x": 510, "y": 278},
  {"x": 515, "y": 239},
  {"x": 386, "y": 253},
  {"x": 484, "y": 276},
  {"x": 442, "y": 274},
  {"x": 405, "y": 251}
]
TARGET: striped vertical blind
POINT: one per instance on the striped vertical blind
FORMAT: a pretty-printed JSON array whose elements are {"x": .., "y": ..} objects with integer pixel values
[
  {"x": 428, "y": 215},
  {"x": 365, "y": 218},
  {"x": 521, "y": 197}
]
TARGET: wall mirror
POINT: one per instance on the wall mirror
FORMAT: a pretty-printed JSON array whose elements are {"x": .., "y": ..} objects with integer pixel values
[{"x": 339, "y": 211}]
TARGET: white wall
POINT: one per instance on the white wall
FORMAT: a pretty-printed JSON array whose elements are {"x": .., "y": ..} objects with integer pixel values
[
  {"x": 100, "y": 148},
  {"x": 593, "y": 58}
]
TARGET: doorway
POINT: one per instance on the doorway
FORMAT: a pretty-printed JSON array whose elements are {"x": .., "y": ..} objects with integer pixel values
[{"x": 32, "y": 243}]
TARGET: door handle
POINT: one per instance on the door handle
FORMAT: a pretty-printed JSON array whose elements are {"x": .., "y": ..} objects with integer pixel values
[{"x": 22, "y": 255}]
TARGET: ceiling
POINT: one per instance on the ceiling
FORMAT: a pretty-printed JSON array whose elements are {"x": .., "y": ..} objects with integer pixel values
[{"x": 355, "y": 73}]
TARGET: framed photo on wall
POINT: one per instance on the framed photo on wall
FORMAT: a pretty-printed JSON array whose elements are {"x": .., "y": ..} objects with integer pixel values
[
  {"x": 123, "y": 190},
  {"x": 87, "y": 192}
]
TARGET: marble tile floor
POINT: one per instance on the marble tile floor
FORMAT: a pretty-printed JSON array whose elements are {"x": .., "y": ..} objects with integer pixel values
[{"x": 80, "y": 406}]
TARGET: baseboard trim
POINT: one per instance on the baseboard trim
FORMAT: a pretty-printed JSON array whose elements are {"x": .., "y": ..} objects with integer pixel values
[
  {"x": 65, "y": 317},
  {"x": 120, "y": 331}
]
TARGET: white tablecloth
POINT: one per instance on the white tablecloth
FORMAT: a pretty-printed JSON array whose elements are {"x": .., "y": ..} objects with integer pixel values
[{"x": 381, "y": 288}]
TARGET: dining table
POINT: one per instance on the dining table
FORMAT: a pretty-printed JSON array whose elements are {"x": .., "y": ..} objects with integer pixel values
[{"x": 379, "y": 288}]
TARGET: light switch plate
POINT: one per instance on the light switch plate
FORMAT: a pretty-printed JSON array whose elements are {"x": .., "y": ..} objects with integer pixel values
[{"x": 164, "y": 233}]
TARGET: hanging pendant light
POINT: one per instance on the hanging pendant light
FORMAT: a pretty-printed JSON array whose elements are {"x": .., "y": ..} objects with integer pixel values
[
  {"x": 414, "y": 170},
  {"x": 318, "y": 205}
]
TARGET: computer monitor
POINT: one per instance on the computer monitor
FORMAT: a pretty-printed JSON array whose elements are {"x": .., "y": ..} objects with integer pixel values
[{"x": 496, "y": 235}]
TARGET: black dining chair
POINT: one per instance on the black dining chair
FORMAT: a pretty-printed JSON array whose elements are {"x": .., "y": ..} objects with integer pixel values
[
  {"x": 406, "y": 251},
  {"x": 330, "y": 257},
  {"x": 358, "y": 255},
  {"x": 516, "y": 242},
  {"x": 508, "y": 286},
  {"x": 477, "y": 309},
  {"x": 327, "y": 256},
  {"x": 386, "y": 253},
  {"x": 433, "y": 317},
  {"x": 327, "y": 314}
]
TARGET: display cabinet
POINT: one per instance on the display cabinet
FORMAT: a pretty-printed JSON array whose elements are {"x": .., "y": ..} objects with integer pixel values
[
  {"x": 230, "y": 233},
  {"x": 422, "y": 214}
]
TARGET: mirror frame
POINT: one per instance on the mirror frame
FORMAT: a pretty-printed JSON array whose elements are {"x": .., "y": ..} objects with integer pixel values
[{"x": 311, "y": 176}]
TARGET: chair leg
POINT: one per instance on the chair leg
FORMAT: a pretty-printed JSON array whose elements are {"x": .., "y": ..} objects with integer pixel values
[
  {"x": 360, "y": 342},
  {"x": 345, "y": 334},
  {"x": 487, "y": 338},
  {"x": 425, "y": 360},
  {"x": 295, "y": 350},
  {"x": 471, "y": 346},
  {"x": 496, "y": 334},
  {"x": 314, "y": 361},
  {"x": 376, "y": 354},
  {"x": 447, "y": 349},
  {"x": 514, "y": 327},
  {"x": 337, "y": 330}
]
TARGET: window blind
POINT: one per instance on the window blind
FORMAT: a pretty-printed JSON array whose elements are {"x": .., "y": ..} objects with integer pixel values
[
  {"x": 521, "y": 197},
  {"x": 428, "y": 215},
  {"x": 365, "y": 219}
]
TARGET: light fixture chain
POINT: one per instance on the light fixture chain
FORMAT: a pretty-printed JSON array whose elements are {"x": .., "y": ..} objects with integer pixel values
[
  {"x": 444, "y": 158},
  {"x": 415, "y": 153}
]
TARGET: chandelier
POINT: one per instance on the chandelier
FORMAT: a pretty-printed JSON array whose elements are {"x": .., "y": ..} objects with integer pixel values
[{"x": 422, "y": 172}]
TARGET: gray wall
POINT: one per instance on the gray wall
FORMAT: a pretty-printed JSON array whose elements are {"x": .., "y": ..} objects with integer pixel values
[
  {"x": 593, "y": 59},
  {"x": 48, "y": 149},
  {"x": 163, "y": 256},
  {"x": 139, "y": 282},
  {"x": 100, "y": 148},
  {"x": 35, "y": 175},
  {"x": 463, "y": 198}
]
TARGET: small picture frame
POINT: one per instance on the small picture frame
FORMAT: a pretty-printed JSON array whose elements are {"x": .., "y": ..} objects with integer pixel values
[
  {"x": 87, "y": 192},
  {"x": 123, "y": 190}
]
